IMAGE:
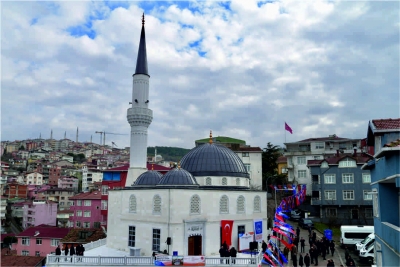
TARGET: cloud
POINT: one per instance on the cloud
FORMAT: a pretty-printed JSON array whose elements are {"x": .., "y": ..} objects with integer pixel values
[{"x": 238, "y": 68}]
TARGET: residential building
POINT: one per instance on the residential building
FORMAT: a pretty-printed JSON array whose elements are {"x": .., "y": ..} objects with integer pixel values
[
  {"x": 68, "y": 158},
  {"x": 11, "y": 147},
  {"x": 3, "y": 211},
  {"x": 341, "y": 190},
  {"x": 59, "y": 195},
  {"x": 33, "y": 178},
  {"x": 298, "y": 153},
  {"x": 63, "y": 218},
  {"x": 282, "y": 165},
  {"x": 23, "y": 154},
  {"x": 86, "y": 210},
  {"x": 16, "y": 190},
  {"x": 54, "y": 174},
  {"x": 89, "y": 177},
  {"x": 37, "y": 212},
  {"x": 68, "y": 182},
  {"x": 384, "y": 136},
  {"x": 39, "y": 240}
]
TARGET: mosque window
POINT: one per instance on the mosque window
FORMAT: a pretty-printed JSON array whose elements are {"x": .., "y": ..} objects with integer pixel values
[
  {"x": 224, "y": 181},
  {"x": 195, "y": 205},
  {"x": 240, "y": 204},
  {"x": 132, "y": 204},
  {"x": 157, "y": 205},
  {"x": 208, "y": 181},
  {"x": 224, "y": 204},
  {"x": 257, "y": 204},
  {"x": 237, "y": 181}
]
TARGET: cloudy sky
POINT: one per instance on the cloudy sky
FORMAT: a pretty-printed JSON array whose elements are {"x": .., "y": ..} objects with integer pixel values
[{"x": 240, "y": 68}]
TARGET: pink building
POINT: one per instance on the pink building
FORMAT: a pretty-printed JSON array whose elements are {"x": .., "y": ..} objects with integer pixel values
[
  {"x": 39, "y": 240},
  {"x": 87, "y": 210},
  {"x": 39, "y": 212},
  {"x": 68, "y": 182},
  {"x": 33, "y": 190}
]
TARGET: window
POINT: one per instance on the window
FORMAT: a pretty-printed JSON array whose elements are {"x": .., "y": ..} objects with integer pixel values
[
  {"x": 86, "y": 213},
  {"x": 96, "y": 225},
  {"x": 78, "y": 224},
  {"x": 25, "y": 253},
  {"x": 330, "y": 194},
  {"x": 317, "y": 157},
  {"x": 348, "y": 194},
  {"x": 208, "y": 181},
  {"x": 86, "y": 224},
  {"x": 257, "y": 204},
  {"x": 195, "y": 205},
  {"x": 331, "y": 212},
  {"x": 330, "y": 178},
  {"x": 247, "y": 166},
  {"x": 61, "y": 203},
  {"x": 367, "y": 194},
  {"x": 79, "y": 202},
  {"x": 224, "y": 204},
  {"x": 156, "y": 239},
  {"x": 132, "y": 235},
  {"x": 241, "y": 229},
  {"x": 319, "y": 145},
  {"x": 237, "y": 181},
  {"x": 375, "y": 203},
  {"x": 87, "y": 203},
  {"x": 366, "y": 178},
  {"x": 301, "y": 160},
  {"x": 157, "y": 205},
  {"x": 224, "y": 181},
  {"x": 104, "y": 190},
  {"x": 347, "y": 162},
  {"x": 78, "y": 213},
  {"x": 245, "y": 154},
  {"x": 348, "y": 178},
  {"x": 38, "y": 241},
  {"x": 368, "y": 213},
  {"x": 324, "y": 164},
  {"x": 25, "y": 241},
  {"x": 240, "y": 204},
  {"x": 132, "y": 204},
  {"x": 62, "y": 198},
  {"x": 301, "y": 173},
  {"x": 342, "y": 145},
  {"x": 54, "y": 242},
  {"x": 37, "y": 253},
  {"x": 104, "y": 204}
]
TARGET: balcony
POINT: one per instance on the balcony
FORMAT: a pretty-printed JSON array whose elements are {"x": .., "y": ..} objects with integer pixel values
[{"x": 391, "y": 234}]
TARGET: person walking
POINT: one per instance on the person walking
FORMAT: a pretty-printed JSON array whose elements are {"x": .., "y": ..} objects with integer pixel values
[
  {"x": 233, "y": 253},
  {"x": 297, "y": 231},
  {"x": 58, "y": 253},
  {"x": 307, "y": 260},
  {"x": 264, "y": 246},
  {"x": 332, "y": 247},
  {"x": 302, "y": 244},
  {"x": 301, "y": 260},
  {"x": 294, "y": 259},
  {"x": 72, "y": 251}
]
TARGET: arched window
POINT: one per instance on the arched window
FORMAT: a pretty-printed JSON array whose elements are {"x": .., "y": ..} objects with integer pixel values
[
  {"x": 195, "y": 207},
  {"x": 157, "y": 205},
  {"x": 240, "y": 204},
  {"x": 224, "y": 181},
  {"x": 324, "y": 164},
  {"x": 224, "y": 204},
  {"x": 208, "y": 181},
  {"x": 132, "y": 204},
  {"x": 257, "y": 204},
  {"x": 237, "y": 181}
]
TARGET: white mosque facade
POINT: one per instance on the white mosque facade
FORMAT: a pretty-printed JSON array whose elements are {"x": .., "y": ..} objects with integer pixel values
[{"x": 181, "y": 210}]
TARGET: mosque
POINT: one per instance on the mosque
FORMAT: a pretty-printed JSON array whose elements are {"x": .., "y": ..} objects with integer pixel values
[{"x": 181, "y": 210}]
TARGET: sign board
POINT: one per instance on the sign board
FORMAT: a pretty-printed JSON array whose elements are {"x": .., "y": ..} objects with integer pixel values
[
  {"x": 194, "y": 261},
  {"x": 258, "y": 229},
  {"x": 163, "y": 260},
  {"x": 244, "y": 241}
]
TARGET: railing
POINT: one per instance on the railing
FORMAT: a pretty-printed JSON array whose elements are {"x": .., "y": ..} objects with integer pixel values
[
  {"x": 95, "y": 244},
  {"x": 142, "y": 261}
]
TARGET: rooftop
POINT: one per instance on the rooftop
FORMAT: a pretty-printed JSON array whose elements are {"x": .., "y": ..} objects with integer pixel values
[
  {"x": 44, "y": 231},
  {"x": 17, "y": 260},
  {"x": 384, "y": 124},
  {"x": 87, "y": 195},
  {"x": 73, "y": 236}
]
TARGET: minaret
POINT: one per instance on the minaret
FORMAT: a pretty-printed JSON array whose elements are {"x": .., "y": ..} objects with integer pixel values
[
  {"x": 65, "y": 135},
  {"x": 51, "y": 134},
  {"x": 139, "y": 115},
  {"x": 77, "y": 133}
]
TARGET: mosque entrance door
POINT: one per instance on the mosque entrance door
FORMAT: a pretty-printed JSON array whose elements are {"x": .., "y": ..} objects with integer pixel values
[{"x": 195, "y": 245}]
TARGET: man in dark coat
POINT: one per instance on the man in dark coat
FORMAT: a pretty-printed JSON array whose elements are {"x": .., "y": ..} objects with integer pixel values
[
  {"x": 66, "y": 252},
  {"x": 332, "y": 247},
  {"x": 264, "y": 246},
  {"x": 222, "y": 254},
  {"x": 58, "y": 253},
  {"x": 301, "y": 260},
  {"x": 233, "y": 253},
  {"x": 314, "y": 236},
  {"x": 297, "y": 231},
  {"x": 307, "y": 260},
  {"x": 294, "y": 258},
  {"x": 302, "y": 244},
  {"x": 72, "y": 251}
]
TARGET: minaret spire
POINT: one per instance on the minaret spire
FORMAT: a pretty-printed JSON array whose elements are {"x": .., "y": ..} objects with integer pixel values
[
  {"x": 77, "y": 134},
  {"x": 51, "y": 134},
  {"x": 141, "y": 63},
  {"x": 65, "y": 135}
]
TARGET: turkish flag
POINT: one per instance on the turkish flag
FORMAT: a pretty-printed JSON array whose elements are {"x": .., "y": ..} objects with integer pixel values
[{"x": 227, "y": 226}]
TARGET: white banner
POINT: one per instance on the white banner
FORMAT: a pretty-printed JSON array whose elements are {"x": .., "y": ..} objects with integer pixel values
[
  {"x": 258, "y": 229},
  {"x": 244, "y": 241}
]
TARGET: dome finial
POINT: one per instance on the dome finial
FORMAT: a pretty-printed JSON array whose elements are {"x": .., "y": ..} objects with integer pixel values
[
  {"x": 179, "y": 164},
  {"x": 152, "y": 167},
  {"x": 143, "y": 19},
  {"x": 210, "y": 137}
]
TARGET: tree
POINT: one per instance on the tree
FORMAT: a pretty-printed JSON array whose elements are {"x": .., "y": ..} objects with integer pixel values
[
  {"x": 21, "y": 147},
  {"x": 269, "y": 166}
]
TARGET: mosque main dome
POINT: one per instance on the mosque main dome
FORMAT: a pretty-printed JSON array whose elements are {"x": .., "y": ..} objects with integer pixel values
[
  {"x": 213, "y": 160},
  {"x": 148, "y": 178}
]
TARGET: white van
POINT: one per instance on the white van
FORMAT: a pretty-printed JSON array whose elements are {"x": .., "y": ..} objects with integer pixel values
[
  {"x": 366, "y": 242},
  {"x": 367, "y": 253},
  {"x": 351, "y": 234}
]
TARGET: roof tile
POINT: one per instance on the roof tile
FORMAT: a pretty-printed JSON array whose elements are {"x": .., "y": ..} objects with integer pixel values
[
  {"x": 45, "y": 231},
  {"x": 384, "y": 124}
]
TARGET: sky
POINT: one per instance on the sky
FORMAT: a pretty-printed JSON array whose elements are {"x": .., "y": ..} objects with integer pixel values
[{"x": 241, "y": 69}]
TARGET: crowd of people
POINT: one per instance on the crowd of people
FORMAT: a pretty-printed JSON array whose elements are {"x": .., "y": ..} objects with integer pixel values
[
  {"x": 226, "y": 252},
  {"x": 70, "y": 250}
]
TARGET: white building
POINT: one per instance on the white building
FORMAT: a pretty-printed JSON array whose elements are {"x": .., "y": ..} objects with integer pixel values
[
  {"x": 89, "y": 177},
  {"x": 298, "y": 153},
  {"x": 35, "y": 178},
  {"x": 182, "y": 210}
]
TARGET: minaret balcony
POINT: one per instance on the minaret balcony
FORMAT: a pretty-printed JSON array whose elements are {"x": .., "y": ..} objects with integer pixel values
[{"x": 139, "y": 116}]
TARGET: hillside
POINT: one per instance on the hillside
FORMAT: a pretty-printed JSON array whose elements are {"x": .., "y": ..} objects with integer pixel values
[{"x": 168, "y": 153}]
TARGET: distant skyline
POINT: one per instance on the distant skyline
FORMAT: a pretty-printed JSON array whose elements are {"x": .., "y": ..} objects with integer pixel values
[{"x": 241, "y": 69}]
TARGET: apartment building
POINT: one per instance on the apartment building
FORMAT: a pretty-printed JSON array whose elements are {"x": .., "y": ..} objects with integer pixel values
[
  {"x": 33, "y": 178},
  {"x": 86, "y": 210},
  {"x": 39, "y": 212},
  {"x": 59, "y": 195}
]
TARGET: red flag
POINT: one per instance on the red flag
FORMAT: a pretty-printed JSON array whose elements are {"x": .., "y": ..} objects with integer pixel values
[
  {"x": 287, "y": 128},
  {"x": 227, "y": 226}
]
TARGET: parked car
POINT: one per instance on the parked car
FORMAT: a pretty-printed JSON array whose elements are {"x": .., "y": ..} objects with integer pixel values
[
  {"x": 295, "y": 215},
  {"x": 305, "y": 223}
]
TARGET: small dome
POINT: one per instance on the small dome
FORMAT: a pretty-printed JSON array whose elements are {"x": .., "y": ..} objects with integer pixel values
[
  {"x": 214, "y": 160},
  {"x": 148, "y": 178},
  {"x": 178, "y": 176}
]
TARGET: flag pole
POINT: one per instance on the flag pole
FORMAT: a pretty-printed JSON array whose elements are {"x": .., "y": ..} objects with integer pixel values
[{"x": 285, "y": 133}]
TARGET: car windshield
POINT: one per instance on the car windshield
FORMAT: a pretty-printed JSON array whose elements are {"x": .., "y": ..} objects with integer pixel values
[
  {"x": 366, "y": 240},
  {"x": 307, "y": 221},
  {"x": 370, "y": 246}
]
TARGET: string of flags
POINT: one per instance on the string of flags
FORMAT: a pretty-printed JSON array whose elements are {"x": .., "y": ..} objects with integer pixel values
[{"x": 280, "y": 226}]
